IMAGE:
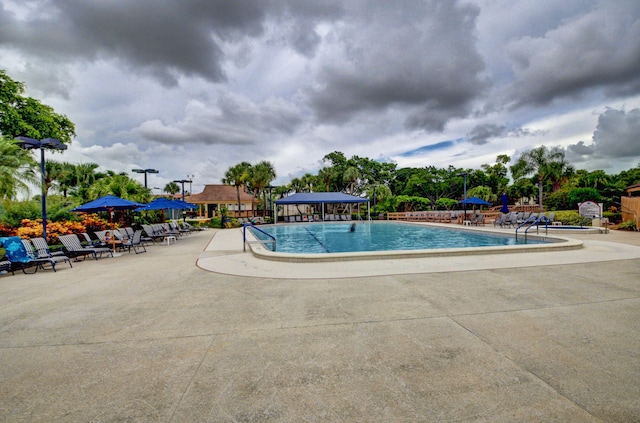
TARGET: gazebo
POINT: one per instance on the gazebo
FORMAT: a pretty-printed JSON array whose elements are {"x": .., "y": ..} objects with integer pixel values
[{"x": 321, "y": 198}]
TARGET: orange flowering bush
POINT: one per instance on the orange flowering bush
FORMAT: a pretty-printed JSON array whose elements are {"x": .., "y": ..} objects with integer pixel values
[
  {"x": 92, "y": 222},
  {"x": 88, "y": 222},
  {"x": 6, "y": 230},
  {"x": 33, "y": 228}
]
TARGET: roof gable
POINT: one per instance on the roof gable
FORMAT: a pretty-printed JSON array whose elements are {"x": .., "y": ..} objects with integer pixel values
[{"x": 219, "y": 194}]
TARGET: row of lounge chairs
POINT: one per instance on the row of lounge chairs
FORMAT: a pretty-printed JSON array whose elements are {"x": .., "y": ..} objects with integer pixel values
[
  {"x": 34, "y": 254},
  {"x": 515, "y": 219},
  {"x": 329, "y": 217},
  {"x": 23, "y": 254}
]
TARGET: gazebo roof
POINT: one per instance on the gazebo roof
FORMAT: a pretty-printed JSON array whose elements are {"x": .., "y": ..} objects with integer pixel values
[{"x": 320, "y": 197}]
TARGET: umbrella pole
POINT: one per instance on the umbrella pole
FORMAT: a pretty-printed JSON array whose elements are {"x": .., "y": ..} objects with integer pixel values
[{"x": 113, "y": 236}]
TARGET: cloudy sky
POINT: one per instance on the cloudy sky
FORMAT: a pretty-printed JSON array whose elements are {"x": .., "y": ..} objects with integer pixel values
[{"x": 194, "y": 87}]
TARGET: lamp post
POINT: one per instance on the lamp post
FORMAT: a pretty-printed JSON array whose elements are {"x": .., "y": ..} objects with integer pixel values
[
  {"x": 145, "y": 171},
  {"x": 465, "y": 192},
  {"x": 50, "y": 143},
  {"x": 183, "y": 181},
  {"x": 190, "y": 178}
]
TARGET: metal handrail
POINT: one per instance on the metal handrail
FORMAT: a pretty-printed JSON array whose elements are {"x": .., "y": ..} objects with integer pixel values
[
  {"x": 532, "y": 222},
  {"x": 260, "y": 241}
]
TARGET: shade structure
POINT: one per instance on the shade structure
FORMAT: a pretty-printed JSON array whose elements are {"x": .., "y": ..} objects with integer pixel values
[
  {"x": 505, "y": 204},
  {"x": 106, "y": 204},
  {"x": 320, "y": 197},
  {"x": 475, "y": 201}
]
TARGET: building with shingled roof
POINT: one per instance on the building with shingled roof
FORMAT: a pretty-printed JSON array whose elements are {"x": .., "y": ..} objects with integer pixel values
[{"x": 217, "y": 197}]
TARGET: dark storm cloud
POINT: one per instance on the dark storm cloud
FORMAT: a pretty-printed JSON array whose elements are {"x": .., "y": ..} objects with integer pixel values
[
  {"x": 482, "y": 134},
  {"x": 232, "y": 121},
  {"x": 599, "y": 49},
  {"x": 165, "y": 39},
  {"x": 618, "y": 134},
  {"x": 617, "y": 137},
  {"x": 581, "y": 149},
  {"x": 418, "y": 57}
]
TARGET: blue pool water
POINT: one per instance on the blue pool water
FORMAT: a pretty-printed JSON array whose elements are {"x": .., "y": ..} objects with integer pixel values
[{"x": 380, "y": 236}]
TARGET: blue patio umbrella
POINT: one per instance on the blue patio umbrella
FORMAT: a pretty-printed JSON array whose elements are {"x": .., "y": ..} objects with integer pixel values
[
  {"x": 505, "y": 204},
  {"x": 107, "y": 203},
  {"x": 475, "y": 201},
  {"x": 163, "y": 204},
  {"x": 186, "y": 204}
]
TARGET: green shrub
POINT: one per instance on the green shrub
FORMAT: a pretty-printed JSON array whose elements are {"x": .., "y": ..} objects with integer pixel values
[
  {"x": 629, "y": 225},
  {"x": 571, "y": 218},
  {"x": 614, "y": 217}
]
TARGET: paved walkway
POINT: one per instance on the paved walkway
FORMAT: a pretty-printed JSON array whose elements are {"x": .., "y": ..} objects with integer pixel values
[{"x": 155, "y": 338}]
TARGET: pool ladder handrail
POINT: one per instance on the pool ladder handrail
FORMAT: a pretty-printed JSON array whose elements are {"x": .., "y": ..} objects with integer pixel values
[
  {"x": 259, "y": 241},
  {"x": 535, "y": 222}
]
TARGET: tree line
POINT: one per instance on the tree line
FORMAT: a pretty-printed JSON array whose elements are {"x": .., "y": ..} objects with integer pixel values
[{"x": 541, "y": 175}]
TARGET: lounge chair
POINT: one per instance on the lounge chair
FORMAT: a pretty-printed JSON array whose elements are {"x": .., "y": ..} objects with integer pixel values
[
  {"x": 18, "y": 255},
  {"x": 75, "y": 249},
  {"x": 5, "y": 267},
  {"x": 135, "y": 243},
  {"x": 44, "y": 258},
  {"x": 91, "y": 242},
  {"x": 43, "y": 248},
  {"x": 153, "y": 233}
]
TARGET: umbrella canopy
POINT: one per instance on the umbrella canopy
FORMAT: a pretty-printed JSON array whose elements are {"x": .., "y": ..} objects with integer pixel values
[
  {"x": 505, "y": 204},
  {"x": 106, "y": 203},
  {"x": 162, "y": 204},
  {"x": 186, "y": 204},
  {"x": 475, "y": 201}
]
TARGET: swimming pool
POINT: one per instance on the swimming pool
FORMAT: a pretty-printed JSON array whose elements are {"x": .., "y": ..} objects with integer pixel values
[{"x": 320, "y": 241}]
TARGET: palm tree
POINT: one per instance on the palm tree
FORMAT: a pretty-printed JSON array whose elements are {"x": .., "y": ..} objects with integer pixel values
[
  {"x": 84, "y": 175},
  {"x": 121, "y": 186},
  {"x": 543, "y": 163},
  {"x": 16, "y": 168},
  {"x": 171, "y": 188},
  {"x": 351, "y": 175},
  {"x": 308, "y": 180},
  {"x": 237, "y": 176},
  {"x": 326, "y": 174},
  {"x": 260, "y": 176}
]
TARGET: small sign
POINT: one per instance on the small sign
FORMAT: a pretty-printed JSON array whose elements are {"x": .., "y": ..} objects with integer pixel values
[{"x": 590, "y": 209}]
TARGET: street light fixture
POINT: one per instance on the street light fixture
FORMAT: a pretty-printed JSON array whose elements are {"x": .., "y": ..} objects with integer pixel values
[
  {"x": 145, "y": 171},
  {"x": 465, "y": 192},
  {"x": 190, "y": 177},
  {"x": 183, "y": 181},
  {"x": 52, "y": 144}
]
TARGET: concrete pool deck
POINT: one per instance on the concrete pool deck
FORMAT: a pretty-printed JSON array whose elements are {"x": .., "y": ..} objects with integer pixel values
[{"x": 154, "y": 338}]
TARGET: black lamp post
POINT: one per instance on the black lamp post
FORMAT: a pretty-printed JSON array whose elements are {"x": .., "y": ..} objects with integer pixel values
[
  {"x": 183, "y": 181},
  {"x": 145, "y": 171},
  {"x": 50, "y": 143},
  {"x": 465, "y": 192}
]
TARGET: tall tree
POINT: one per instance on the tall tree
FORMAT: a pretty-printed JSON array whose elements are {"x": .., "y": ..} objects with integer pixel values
[
  {"x": 26, "y": 116},
  {"x": 542, "y": 162},
  {"x": 121, "y": 186},
  {"x": 237, "y": 176},
  {"x": 260, "y": 176},
  {"x": 16, "y": 168}
]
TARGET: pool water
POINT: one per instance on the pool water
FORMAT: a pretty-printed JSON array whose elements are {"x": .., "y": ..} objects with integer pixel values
[{"x": 318, "y": 238}]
